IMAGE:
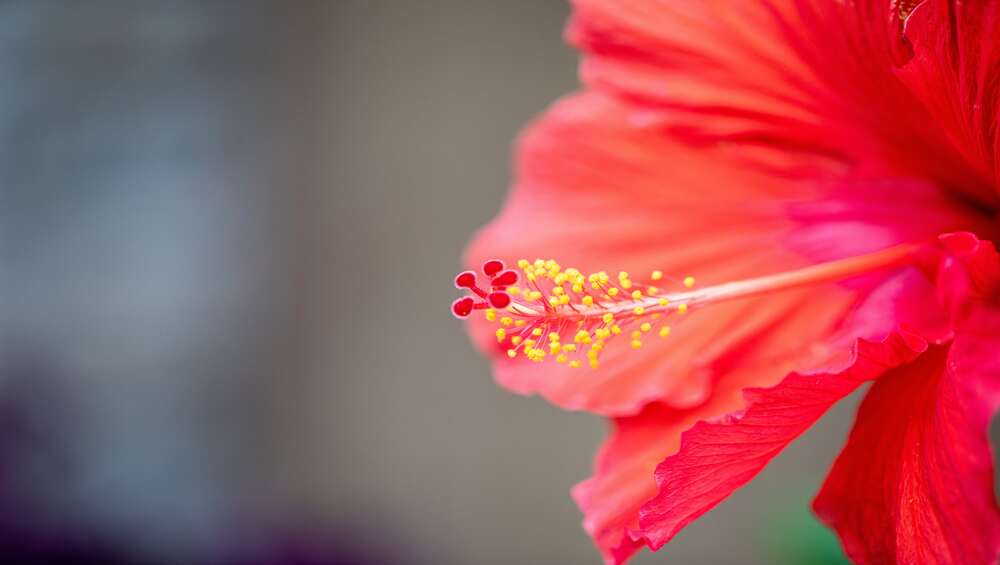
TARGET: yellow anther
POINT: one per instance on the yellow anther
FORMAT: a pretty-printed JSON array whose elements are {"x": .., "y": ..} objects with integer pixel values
[
  {"x": 560, "y": 278},
  {"x": 536, "y": 332},
  {"x": 598, "y": 345},
  {"x": 536, "y": 295},
  {"x": 554, "y": 347},
  {"x": 571, "y": 347},
  {"x": 638, "y": 310},
  {"x": 564, "y": 299},
  {"x": 554, "y": 300},
  {"x": 664, "y": 302},
  {"x": 562, "y": 358},
  {"x": 602, "y": 333},
  {"x": 491, "y": 314},
  {"x": 636, "y": 344},
  {"x": 626, "y": 284},
  {"x": 558, "y": 290},
  {"x": 539, "y": 264},
  {"x": 682, "y": 309},
  {"x": 577, "y": 288},
  {"x": 636, "y": 294},
  {"x": 636, "y": 334},
  {"x": 622, "y": 275},
  {"x": 516, "y": 339},
  {"x": 530, "y": 276},
  {"x": 652, "y": 291},
  {"x": 580, "y": 336},
  {"x": 507, "y": 321},
  {"x": 688, "y": 282},
  {"x": 664, "y": 331},
  {"x": 529, "y": 343},
  {"x": 603, "y": 277},
  {"x": 616, "y": 329},
  {"x": 608, "y": 318},
  {"x": 520, "y": 323},
  {"x": 501, "y": 334},
  {"x": 657, "y": 275},
  {"x": 588, "y": 300},
  {"x": 612, "y": 292},
  {"x": 512, "y": 353},
  {"x": 574, "y": 364},
  {"x": 646, "y": 326},
  {"x": 592, "y": 354},
  {"x": 594, "y": 364},
  {"x": 513, "y": 291}
]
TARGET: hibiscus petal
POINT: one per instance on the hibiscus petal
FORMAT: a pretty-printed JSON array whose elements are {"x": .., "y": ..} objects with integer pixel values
[
  {"x": 809, "y": 79},
  {"x": 915, "y": 482},
  {"x": 955, "y": 71},
  {"x": 736, "y": 434},
  {"x": 599, "y": 189}
]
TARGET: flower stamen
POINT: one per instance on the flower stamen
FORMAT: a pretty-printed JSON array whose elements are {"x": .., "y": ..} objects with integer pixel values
[{"x": 566, "y": 315}]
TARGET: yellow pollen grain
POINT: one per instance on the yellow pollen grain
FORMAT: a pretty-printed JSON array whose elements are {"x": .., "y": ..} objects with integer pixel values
[
  {"x": 554, "y": 347},
  {"x": 529, "y": 343},
  {"x": 522, "y": 263},
  {"x": 507, "y": 321},
  {"x": 501, "y": 334},
  {"x": 652, "y": 291},
  {"x": 665, "y": 331},
  {"x": 574, "y": 364},
  {"x": 491, "y": 315},
  {"x": 536, "y": 295},
  {"x": 577, "y": 288},
  {"x": 638, "y": 310},
  {"x": 646, "y": 326},
  {"x": 562, "y": 358},
  {"x": 514, "y": 290},
  {"x": 536, "y": 332},
  {"x": 512, "y": 353},
  {"x": 558, "y": 290},
  {"x": 608, "y": 318},
  {"x": 682, "y": 309},
  {"x": 539, "y": 264},
  {"x": 622, "y": 275},
  {"x": 594, "y": 364},
  {"x": 657, "y": 275},
  {"x": 612, "y": 291},
  {"x": 636, "y": 294},
  {"x": 530, "y": 277},
  {"x": 616, "y": 329},
  {"x": 626, "y": 284},
  {"x": 571, "y": 347},
  {"x": 516, "y": 339},
  {"x": 588, "y": 300},
  {"x": 553, "y": 337},
  {"x": 688, "y": 282},
  {"x": 564, "y": 299},
  {"x": 636, "y": 344},
  {"x": 554, "y": 300},
  {"x": 664, "y": 302}
]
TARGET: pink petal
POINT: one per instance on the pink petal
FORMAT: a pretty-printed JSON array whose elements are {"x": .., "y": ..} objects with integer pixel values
[
  {"x": 598, "y": 189},
  {"x": 915, "y": 482}
]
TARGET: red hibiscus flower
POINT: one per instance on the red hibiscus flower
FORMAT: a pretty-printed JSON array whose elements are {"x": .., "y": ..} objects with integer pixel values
[{"x": 823, "y": 174}]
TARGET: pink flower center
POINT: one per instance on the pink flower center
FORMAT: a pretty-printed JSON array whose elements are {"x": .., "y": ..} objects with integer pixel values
[{"x": 568, "y": 316}]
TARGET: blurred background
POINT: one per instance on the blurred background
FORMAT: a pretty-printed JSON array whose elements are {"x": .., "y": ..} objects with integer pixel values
[{"x": 228, "y": 232}]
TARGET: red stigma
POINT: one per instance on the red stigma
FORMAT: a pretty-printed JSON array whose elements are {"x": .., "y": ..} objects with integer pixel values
[
  {"x": 499, "y": 299},
  {"x": 506, "y": 278},
  {"x": 492, "y": 267},
  {"x": 466, "y": 279},
  {"x": 479, "y": 299},
  {"x": 462, "y": 307}
]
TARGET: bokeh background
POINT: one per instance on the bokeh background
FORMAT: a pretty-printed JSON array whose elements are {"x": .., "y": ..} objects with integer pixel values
[{"x": 228, "y": 233}]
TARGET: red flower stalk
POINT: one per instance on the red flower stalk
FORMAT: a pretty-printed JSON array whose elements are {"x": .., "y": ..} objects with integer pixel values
[{"x": 827, "y": 171}]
